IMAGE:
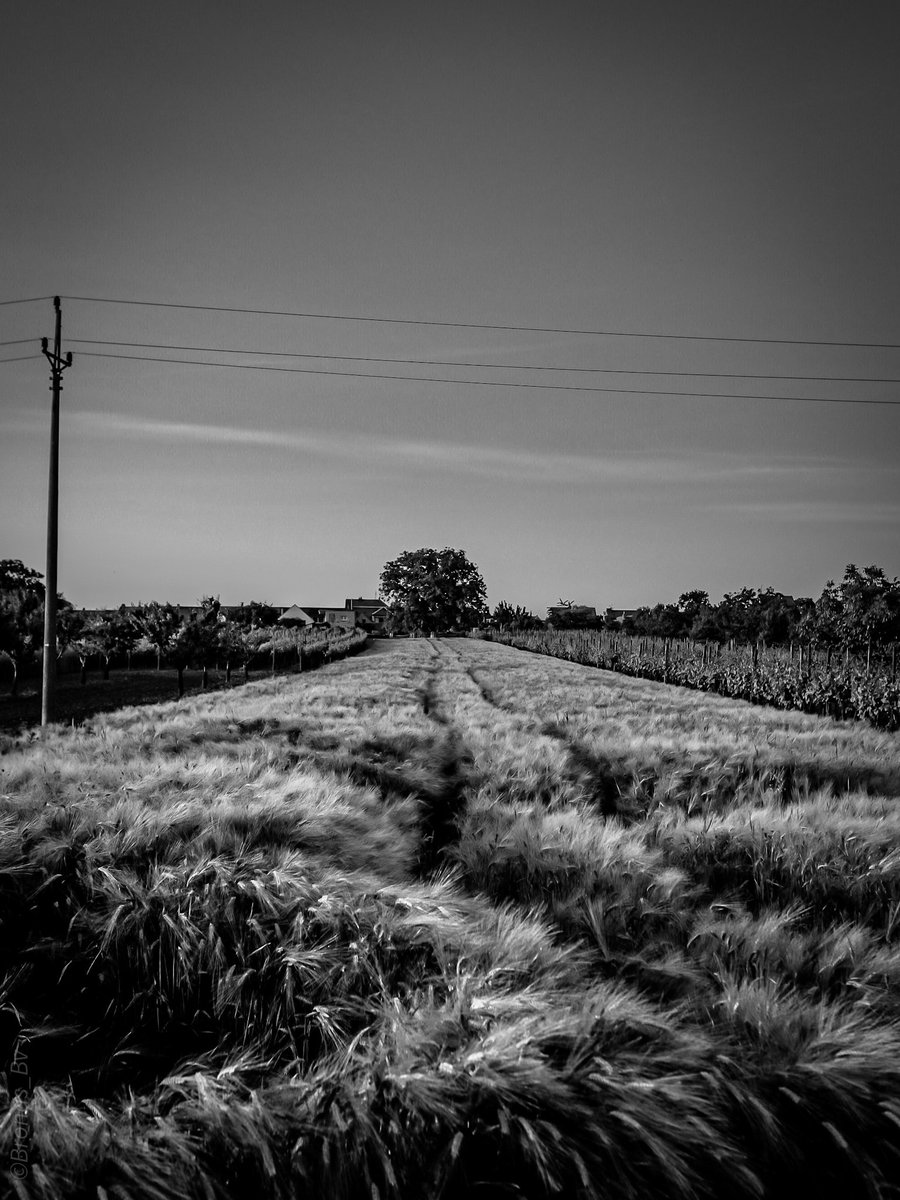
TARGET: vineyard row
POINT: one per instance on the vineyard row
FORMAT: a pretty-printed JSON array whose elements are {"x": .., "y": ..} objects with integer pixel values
[{"x": 804, "y": 677}]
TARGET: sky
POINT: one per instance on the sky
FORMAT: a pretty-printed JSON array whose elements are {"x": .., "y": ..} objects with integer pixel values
[{"x": 586, "y": 173}]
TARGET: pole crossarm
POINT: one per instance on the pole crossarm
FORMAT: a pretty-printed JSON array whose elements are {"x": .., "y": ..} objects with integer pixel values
[{"x": 57, "y": 362}]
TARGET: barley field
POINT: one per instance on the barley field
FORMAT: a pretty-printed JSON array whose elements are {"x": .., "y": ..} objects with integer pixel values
[{"x": 448, "y": 919}]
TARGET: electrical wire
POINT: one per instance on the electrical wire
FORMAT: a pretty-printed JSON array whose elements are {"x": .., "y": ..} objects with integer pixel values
[
  {"x": 28, "y": 300},
  {"x": 19, "y": 341},
  {"x": 686, "y": 337},
  {"x": 437, "y": 362},
  {"x": 556, "y": 387},
  {"x": 20, "y": 358}
]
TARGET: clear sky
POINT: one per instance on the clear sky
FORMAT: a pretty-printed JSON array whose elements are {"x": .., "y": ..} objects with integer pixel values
[{"x": 719, "y": 170}]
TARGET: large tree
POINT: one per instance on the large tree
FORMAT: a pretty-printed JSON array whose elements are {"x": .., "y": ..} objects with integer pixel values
[
  {"x": 663, "y": 620},
  {"x": 870, "y": 606},
  {"x": 434, "y": 591}
]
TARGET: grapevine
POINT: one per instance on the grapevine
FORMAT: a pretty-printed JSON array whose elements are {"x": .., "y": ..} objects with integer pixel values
[{"x": 846, "y": 692}]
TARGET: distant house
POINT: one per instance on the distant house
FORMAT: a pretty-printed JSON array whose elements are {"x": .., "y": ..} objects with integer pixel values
[
  {"x": 620, "y": 614},
  {"x": 339, "y": 618},
  {"x": 296, "y": 617},
  {"x": 371, "y": 613},
  {"x": 326, "y": 617},
  {"x": 562, "y": 615}
]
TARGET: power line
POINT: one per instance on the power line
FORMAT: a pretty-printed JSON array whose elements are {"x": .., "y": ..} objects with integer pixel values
[
  {"x": 29, "y": 300},
  {"x": 556, "y": 387},
  {"x": 20, "y": 357},
  {"x": 320, "y": 316},
  {"x": 18, "y": 341},
  {"x": 437, "y": 362}
]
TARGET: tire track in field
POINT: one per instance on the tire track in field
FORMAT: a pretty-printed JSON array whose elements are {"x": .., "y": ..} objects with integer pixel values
[
  {"x": 444, "y": 808},
  {"x": 453, "y": 695},
  {"x": 430, "y": 765},
  {"x": 592, "y": 770},
  {"x": 595, "y": 774},
  {"x": 626, "y": 790},
  {"x": 589, "y": 778},
  {"x": 414, "y": 754}
]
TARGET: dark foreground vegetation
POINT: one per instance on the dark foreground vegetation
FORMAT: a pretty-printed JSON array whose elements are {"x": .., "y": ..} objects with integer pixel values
[{"x": 451, "y": 921}]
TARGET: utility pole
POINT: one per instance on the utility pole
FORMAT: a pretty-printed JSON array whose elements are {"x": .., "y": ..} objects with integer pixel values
[{"x": 57, "y": 366}]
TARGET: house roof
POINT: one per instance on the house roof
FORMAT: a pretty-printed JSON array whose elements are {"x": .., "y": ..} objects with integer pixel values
[{"x": 296, "y": 613}]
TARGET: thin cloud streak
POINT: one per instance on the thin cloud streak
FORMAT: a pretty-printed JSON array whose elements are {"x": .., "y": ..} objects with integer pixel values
[
  {"x": 492, "y": 462},
  {"x": 488, "y": 462}
]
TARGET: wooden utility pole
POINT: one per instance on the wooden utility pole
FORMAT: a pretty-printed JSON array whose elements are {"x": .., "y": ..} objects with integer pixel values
[{"x": 57, "y": 366}]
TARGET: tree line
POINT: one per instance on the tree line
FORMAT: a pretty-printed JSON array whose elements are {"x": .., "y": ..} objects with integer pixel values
[
  {"x": 441, "y": 591},
  {"x": 205, "y": 638},
  {"x": 860, "y": 611}
]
